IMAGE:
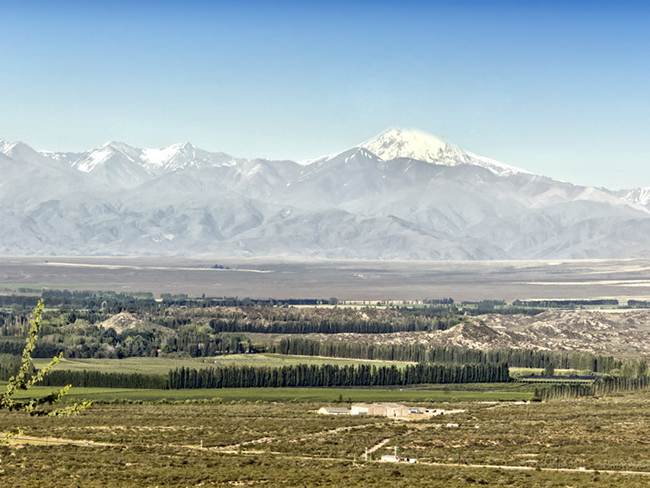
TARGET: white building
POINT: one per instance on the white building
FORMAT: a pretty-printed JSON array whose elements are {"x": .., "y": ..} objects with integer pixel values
[{"x": 333, "y": 411}]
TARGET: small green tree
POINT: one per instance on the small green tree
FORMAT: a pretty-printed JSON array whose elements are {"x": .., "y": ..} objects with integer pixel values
[
  {"x": 24, "y": 380},
  {"x": 549, "y": 370}
]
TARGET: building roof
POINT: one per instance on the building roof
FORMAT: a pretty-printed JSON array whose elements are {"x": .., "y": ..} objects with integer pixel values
[
  {"x": 366, "y": 405},
  {"x": 335, "y": 410}
]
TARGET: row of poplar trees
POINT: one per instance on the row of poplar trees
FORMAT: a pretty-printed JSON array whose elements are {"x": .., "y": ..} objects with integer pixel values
[
  {"x": 334, "y": 375},
  {"x": 522, "y": 358}
]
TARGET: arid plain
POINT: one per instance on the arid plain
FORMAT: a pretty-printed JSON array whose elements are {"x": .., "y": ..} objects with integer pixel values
[{"x": 348, "y": 280}]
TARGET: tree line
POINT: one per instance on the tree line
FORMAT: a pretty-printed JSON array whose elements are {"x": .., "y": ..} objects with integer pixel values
[
  {"x": 302, "y": 375},
  {"x": 333, "y": 375},
  {"x": 112, "y": 302},
  {"x": 564, "y": 303},
  {"x": 302, "y": 323},
  {"x": 522, "y": 358},
  {"x": 99, "y": 379},
  {"x": 602, "y": 386},
  {"x": 9, "y": 366}
]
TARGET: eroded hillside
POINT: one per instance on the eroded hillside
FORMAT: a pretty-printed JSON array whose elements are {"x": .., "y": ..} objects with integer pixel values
[{"x": 620, "y": 334}]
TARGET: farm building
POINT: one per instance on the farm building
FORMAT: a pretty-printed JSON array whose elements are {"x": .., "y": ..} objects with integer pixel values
[
  {"x": 333, "y": 411},
  {"x": 390, "y": 458},
  {"x": 392, "y": 410}
]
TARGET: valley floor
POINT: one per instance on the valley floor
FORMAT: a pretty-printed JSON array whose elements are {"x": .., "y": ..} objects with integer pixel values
[
  {"x": 355, "y": 280},
  {"x": 585, "y": 442}
]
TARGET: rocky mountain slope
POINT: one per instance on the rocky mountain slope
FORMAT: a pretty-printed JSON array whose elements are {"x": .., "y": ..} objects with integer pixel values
[{"x": 402, "y": 195}]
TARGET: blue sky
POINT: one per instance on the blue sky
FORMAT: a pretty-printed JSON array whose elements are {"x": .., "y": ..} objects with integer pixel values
[{"x": 559, "y": 88}]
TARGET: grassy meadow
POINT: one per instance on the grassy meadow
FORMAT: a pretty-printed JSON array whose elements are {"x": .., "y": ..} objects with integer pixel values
[
  {"x": 487, "y": 392},
  {"x": 162, "y": 365}
]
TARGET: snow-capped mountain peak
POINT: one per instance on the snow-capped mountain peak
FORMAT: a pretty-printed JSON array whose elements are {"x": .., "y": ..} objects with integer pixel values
[
  {"x": 5, "y": 146},
  {"x": 20, "y": 151},
  {"x": 639, "y": 196},
  {"x": 114, "y": 147},
  {"x": 183, "y": 155},
  {"x": 417, "y": 145},
  {"x": 414, "y": 144},
  {"x": 161, "y": 157},
  {"x": 401, "y": 195},
  {"x": 400, "y": 143}
]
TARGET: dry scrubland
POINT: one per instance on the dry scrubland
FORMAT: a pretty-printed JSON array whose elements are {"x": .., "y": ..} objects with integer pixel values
[{"x": 271, "y": 444}]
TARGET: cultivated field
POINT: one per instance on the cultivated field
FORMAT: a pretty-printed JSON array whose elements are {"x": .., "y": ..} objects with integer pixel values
[
  {"x": 162, "y": 365},
  {"x": 419, "y": 393}
]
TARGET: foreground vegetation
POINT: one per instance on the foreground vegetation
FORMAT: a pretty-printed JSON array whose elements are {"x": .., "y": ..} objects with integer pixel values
[
  {"x": 288, "y": 444},
  {"x": 589, "y": 431}
]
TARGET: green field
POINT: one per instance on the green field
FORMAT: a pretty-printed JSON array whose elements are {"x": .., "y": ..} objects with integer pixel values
[
  {"x": 517, "y": 372},
  {"x": 421, "y": 393},
  {"x": 162, "y": 365}
]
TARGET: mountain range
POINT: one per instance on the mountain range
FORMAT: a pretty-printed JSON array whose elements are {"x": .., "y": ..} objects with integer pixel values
[{"x": 401, "y": 195}]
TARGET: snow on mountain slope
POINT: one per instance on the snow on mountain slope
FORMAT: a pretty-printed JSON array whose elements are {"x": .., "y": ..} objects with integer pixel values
[
  {"x": 413, "y": 144},
  {"x": 402, "y": 195},
  {"x": 152, "y": 161},
  {"x": 20, "y": 151},
  {"x": 639, "y": 196},
  {"x": 400, "y": 143},
  {"x": 181, "y": 156},
  {"x": 116, "y": 163}
]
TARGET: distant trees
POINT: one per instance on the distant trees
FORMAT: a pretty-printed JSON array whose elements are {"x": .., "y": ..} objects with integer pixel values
[
  {"x": 565, "y": 304},
  {"x": 549, "y": 370},
  {"x": 333, "y": 375},
  {"x": 523, "y": 358},
  {"x": 291, "y": 321},
  {"x": 98, "y": 379},
  {"x": 25, "y": 378},
  {"x": 9, "y": 366},
  {"x": 602, "y": 386}
]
